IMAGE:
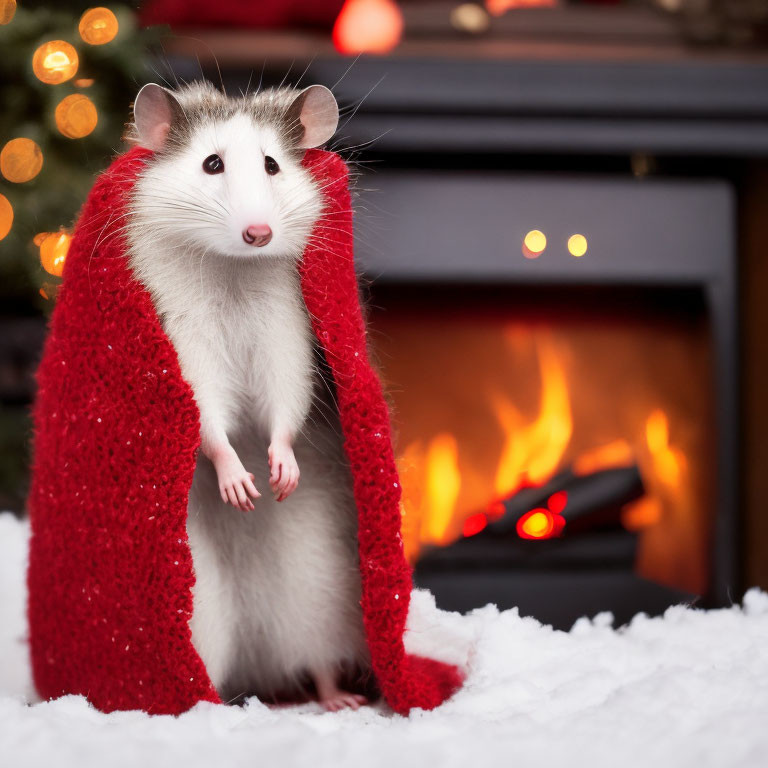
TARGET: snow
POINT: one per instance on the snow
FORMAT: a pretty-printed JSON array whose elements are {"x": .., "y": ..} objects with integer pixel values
[{"x": 687, "y": 689}]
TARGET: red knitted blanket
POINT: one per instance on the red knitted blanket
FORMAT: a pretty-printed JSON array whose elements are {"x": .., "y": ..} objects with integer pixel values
[{"x": 116, "y": 434}]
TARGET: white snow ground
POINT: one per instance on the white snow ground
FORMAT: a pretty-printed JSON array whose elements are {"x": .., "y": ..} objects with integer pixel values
[{"x": 688, "y": 689}]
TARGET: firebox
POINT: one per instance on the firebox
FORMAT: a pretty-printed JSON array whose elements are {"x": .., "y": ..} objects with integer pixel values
[{"x": 560, "y": 354}]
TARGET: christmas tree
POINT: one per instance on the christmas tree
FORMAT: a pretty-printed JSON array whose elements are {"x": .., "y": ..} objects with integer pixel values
[{"x": 68, "y": 74}]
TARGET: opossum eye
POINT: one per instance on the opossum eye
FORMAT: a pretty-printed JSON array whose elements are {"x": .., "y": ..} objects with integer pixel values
[
  {"x": 270, "y": 165},
  {"x": 213, "y": 164}
]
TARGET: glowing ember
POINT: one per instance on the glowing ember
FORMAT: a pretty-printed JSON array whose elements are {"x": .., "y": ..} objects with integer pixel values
[
  {"x": 474, "y": 524},
  {"x": 557, "y": 502},
  {"x": 540, "y": 524}
]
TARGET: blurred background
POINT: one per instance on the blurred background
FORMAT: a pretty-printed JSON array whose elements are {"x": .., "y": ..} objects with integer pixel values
[{"x": 561, "y": 213}]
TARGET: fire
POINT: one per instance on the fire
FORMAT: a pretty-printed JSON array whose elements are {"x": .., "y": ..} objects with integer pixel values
[
  {"x": 668, "y": 462},
  {"x": 442, "y": 487},
  {"x": 431, "y": 483},
  {"x": 618, "y": 453},
  {"x": 532, "y": 452},
  {"x": 440, "y": 475}
]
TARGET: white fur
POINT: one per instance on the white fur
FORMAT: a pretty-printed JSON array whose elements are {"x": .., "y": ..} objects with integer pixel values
[{"x": 277, "y": 588}]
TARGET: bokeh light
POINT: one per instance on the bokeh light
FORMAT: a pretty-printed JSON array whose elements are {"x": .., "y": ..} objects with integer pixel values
[
  {"x": 500, "y": 7},
  {"x": 98, "y": 26},
  {"x": 577, "y": 245},
  {"x": 53, "y": 252},
  {"x": 55, "y": 62},
  {"x": 76, "y": 116},
  {"x": 534, "y": 244},
  {"x": 6, "y": 216},
  {"x": 7, "y": 11},
  {"x": 84, "y": 82},
  {"x": 21, "y": 160},
  {"x": 471, "y": 18},
  {"x": 368, "y": 26}
]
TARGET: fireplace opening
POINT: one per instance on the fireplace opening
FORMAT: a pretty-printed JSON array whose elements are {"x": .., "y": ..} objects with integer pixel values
[{"x": 546, "y": 432}]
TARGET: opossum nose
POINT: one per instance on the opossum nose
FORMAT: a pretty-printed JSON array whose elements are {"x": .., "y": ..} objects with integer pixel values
[{"x": 257, "y": 234}]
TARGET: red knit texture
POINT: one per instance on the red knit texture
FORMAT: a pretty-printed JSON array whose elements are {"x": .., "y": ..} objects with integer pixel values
[{"x": 116, "y": 435}]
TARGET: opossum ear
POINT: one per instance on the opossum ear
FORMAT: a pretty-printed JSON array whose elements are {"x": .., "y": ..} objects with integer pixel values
[
  {"x": 313, "y": 116},
  {"x": 154, "y": 111}
]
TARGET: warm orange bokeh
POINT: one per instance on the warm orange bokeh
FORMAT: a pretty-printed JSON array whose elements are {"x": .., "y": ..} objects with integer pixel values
[
  {"x": 7, "y": 11},
  {"x": 98, "y": 26},
  {"x": 55, "y": 62},
  {"x": 6, "y": 216},
  {"x": 368, "y": 26},
  {"x": 53, "y": 252},
  {"x": 76, "y": 116},
  {"x": 21, "y": 160}
]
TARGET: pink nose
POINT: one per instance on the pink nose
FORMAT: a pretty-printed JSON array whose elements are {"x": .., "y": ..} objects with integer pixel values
[{"x": 257, "y": 234}]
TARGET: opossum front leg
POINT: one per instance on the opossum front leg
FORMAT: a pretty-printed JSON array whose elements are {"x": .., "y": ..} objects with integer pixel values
[
  {"x": 235, "y": 483},
  {"x": 283, "y": 467},
  {"x": 287, "y": 399}
]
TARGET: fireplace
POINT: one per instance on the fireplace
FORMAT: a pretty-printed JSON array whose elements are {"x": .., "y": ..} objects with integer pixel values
[{"x": 560, "y": 358}]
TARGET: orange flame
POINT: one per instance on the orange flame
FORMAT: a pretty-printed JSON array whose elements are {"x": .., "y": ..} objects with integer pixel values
[
  {"x": 668, "y": 463},
  {"x": 618, "y": 453},
  {"x": 532, "y": 452},
  {"x": 443, "y": 483}
]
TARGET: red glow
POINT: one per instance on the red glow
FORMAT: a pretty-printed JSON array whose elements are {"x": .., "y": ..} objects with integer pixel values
[
  {"x": 474, "y": 524},
  {"x": 368, "y": 26},
  {"x": 540, "y": 523},
  {"x": 557, "y": 502},
  {"x": 496, "y": 510}
]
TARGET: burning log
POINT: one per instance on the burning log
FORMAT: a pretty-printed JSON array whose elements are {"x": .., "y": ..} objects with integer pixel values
[{"x": 567, "y": 501}]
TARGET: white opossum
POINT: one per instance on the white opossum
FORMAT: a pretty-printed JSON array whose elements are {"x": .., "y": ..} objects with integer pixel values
[{"x": 216, "y": 225}]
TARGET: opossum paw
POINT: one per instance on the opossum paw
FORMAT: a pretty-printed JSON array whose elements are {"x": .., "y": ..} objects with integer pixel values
[
  {"x": 235, "y": 483},
  {"x": 284, "y": 471}
]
